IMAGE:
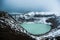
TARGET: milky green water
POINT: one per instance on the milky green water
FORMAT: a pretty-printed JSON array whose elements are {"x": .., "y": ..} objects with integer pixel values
[{"x": 34, "y": 28}]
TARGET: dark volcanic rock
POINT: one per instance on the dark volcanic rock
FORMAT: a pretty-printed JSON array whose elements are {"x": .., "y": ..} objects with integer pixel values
[{"x": 8, "y": 34}]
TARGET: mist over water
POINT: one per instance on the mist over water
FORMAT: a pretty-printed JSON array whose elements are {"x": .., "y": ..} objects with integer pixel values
[{"x": 24, "y": 6}]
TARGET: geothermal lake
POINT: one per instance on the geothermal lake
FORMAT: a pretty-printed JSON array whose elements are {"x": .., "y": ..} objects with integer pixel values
[{"x": 36, "y": 28}]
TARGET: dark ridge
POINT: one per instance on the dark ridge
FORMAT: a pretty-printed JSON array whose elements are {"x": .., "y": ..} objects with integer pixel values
[
  {"x": 43, "y": 15},
  {"x": 6, "y": 15},
  {"x": 53, "y": 21}
]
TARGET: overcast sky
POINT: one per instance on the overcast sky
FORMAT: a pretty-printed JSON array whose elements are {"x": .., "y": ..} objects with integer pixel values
[{"x": 30, "y": 5}]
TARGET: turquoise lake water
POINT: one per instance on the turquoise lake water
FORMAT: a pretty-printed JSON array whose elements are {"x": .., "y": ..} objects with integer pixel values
[{"x": 34, "y": 28}]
